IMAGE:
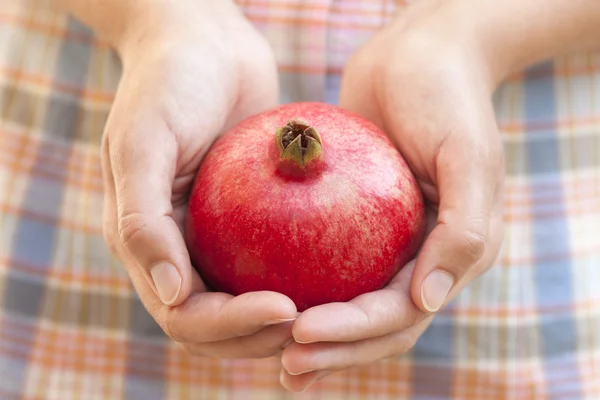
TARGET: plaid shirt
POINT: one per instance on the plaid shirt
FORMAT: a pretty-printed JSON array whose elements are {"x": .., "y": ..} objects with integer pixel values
[{"x": 71, "y": 327}]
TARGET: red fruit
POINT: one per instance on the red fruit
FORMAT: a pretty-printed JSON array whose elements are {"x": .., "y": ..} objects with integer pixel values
[{"x": 308, "y": 200}]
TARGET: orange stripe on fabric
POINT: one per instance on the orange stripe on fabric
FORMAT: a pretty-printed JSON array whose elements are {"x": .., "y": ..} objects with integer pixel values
[
  {"x": 46, "y": 82},
  {"x": 66, "y": 275},
  {"x": 61, "y": 353},
  {"x": 554, "y": 198},
  {"x": 62, "y": 154},
  {"x": 479, "y": 384},
  {"x": 573, "y": 253},
  {"x": 49, "y": 219},
  {"x": 533, "y": 126},
  {"x": 67, "y": 158},
  {"x": 51, "y": 30},
  {"x": 503, "y": 313},
  {"x": 570, "y": 210},
  {"x": 78, "y": 182}
]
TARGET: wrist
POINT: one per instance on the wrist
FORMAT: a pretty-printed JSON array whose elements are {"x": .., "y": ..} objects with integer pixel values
[
  {"x": 112, "y": 20},
  {"x": 125, "y": 24},
  {"x": 438, "y": 35},
  {"x": 169, "y": 22},
  {"x": 512, "y": 35}
]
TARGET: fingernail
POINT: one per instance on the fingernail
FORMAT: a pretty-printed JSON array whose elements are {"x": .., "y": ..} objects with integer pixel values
[
  {"x": 435, "y": 289},
  {"x": 300, "y": 373},
  {"x": 306, "y": 342},
  {"x": 276, "y": 321},
  {"x": 167, "y": 280},
  {"x": 314, "y": 380}
]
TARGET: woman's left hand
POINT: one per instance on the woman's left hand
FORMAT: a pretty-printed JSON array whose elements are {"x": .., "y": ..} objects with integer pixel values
[{"x": 431, "y": 92}]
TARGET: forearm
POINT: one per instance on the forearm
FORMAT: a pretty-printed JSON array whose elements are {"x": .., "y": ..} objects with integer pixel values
[
  {"x": 110, "y": 19},
  {"x": 123, "y": 23},
  {"x": 516, "y": 34}
]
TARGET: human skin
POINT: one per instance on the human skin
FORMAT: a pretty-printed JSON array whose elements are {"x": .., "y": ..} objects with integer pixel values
[
  {"x": 190, "y": 71},
  {"x": 427, "y": 78}
]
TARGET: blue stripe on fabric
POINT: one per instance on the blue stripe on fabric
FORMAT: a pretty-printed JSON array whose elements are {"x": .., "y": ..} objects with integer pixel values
[
  {"x": 13, "y": 367},
  {"x": 333, "y": 82},
  {"x": 34, "y": 242},
  {"x": 434, "y": 352},
  {"x": 550, "y": 235},
  {"x": 144, "y": 379}
]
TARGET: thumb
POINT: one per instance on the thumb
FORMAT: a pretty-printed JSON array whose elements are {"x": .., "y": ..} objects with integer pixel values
[
  {"x": 466, "y": 187},
  {"x": 143, "y": 163}
]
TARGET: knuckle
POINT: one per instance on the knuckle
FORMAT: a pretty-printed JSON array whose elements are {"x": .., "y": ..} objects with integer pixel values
[
  {"x": 173, "y": 330},
  {"x": 467, "y": 234},
  {"x": 472, "y": 243},
  {"x": 130, "y": 227}
]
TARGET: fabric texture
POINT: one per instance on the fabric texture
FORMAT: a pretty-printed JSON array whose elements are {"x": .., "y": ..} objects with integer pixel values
[{"x": 71, "y": 327}]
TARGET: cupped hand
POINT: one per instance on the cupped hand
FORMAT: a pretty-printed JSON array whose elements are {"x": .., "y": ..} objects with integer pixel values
[
  {"x": 189, "y": 73},
  {"x": 429, "y": 87}
]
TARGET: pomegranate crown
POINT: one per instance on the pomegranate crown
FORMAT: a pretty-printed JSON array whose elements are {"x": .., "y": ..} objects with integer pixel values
[{"x": 299, "y": 142}]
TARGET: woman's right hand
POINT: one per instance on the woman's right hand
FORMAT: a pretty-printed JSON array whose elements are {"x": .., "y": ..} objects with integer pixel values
[{"x": 190, "y": 71}]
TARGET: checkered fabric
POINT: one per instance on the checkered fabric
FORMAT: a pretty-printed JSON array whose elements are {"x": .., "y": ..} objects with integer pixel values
[{"x": 71, "y": 327}]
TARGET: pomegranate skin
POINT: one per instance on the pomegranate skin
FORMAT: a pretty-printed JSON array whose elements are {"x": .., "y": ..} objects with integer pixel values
[{"x": 344, "y": 229}]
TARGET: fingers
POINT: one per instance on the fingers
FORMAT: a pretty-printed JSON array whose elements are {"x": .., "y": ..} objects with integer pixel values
[
  {"x": 205, "y": 317},
  {"x": 142, "y": 163},
  {"x": 208, "y": 317},
  {"x": 266, "y": 342},
  {"x": 211, "y": 317},
  {"x": 303, "y": 364},
  {"x": 302, "y": 358},
  {"x": 369, "y": 315},
  {"x": 210, "y": 323},
  {"x": 468, "y": 174}
]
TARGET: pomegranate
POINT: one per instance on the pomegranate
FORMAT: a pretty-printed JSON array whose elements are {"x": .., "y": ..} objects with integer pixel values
[{"x": 306, "y": 199}]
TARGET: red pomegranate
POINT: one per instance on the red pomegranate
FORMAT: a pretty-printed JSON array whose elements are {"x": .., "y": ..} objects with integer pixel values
[{"x": 308, "y": 200}]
